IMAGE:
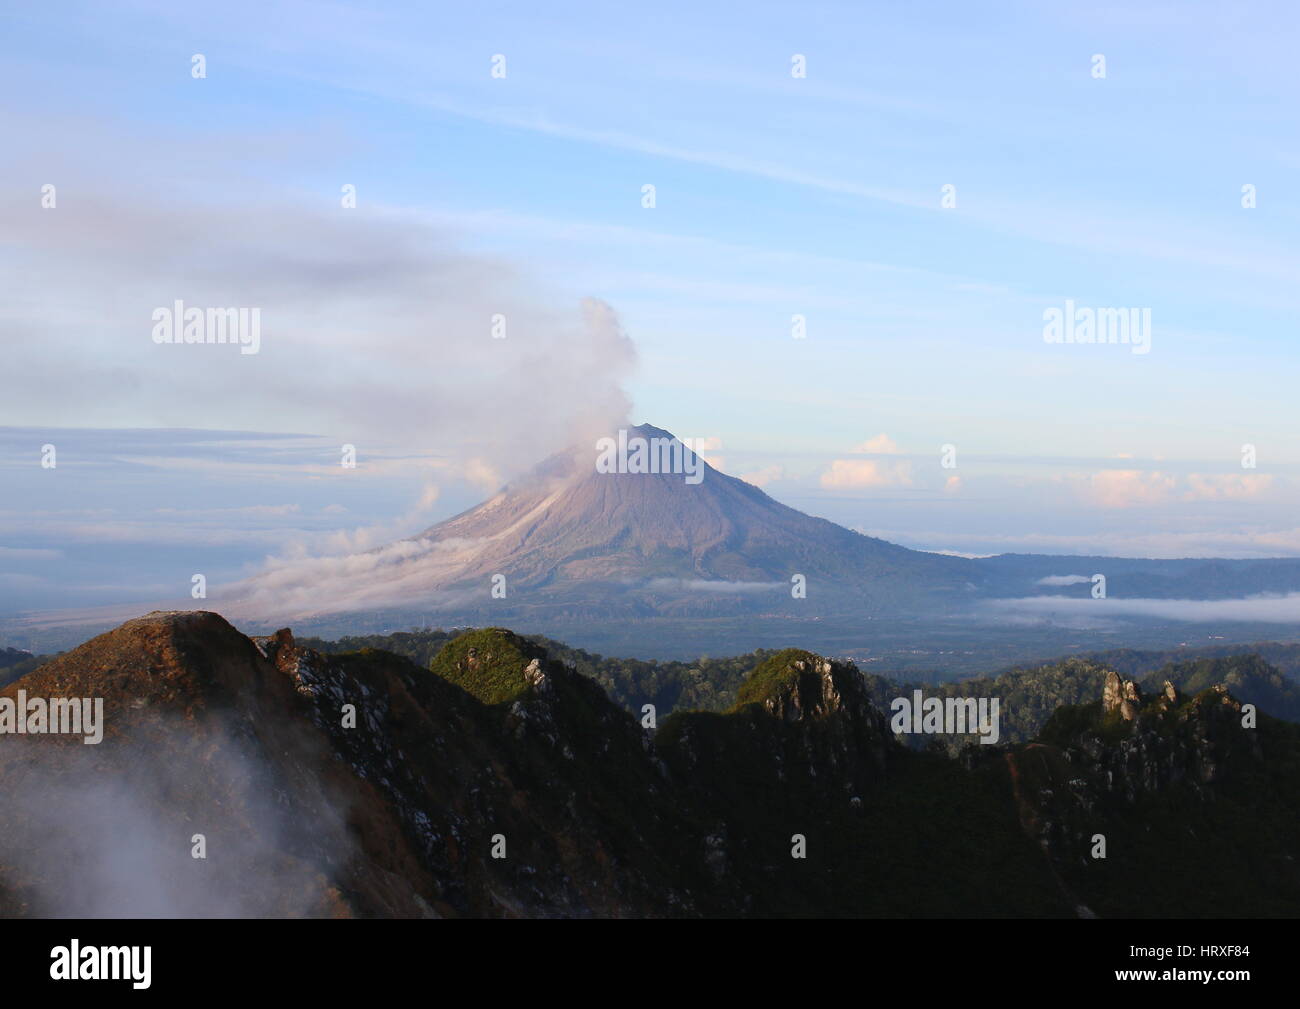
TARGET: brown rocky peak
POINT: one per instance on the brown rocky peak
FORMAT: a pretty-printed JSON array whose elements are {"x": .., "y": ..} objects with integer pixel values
[{"x": 1121, "y": 695}]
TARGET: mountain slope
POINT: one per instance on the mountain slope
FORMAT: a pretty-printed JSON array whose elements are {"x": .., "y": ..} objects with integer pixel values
[
  {"x": 568, "y": 527},
  {"x": 1197, "y": 810},
  {"x": 202, "y": 736},
  {"x": 501, "y": 783}
]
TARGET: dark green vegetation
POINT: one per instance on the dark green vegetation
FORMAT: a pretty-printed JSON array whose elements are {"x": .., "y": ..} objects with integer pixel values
[
  {"x": 704, "y": 683},
  {"x": 418, "y": 646},
  {"x": 1268, "y": 676},
  {"x": 488, "y": 663},
  {"x": 721, "y": 797},
  {"x": 775, "y": 675},
  {"x": 15, "y": 664},
  {"x": 494, "y": 740},
  {"x": 1181, "y": 786},
  {"x": 1181, "y": 792},
  {"x": 1030, "y": 696}
]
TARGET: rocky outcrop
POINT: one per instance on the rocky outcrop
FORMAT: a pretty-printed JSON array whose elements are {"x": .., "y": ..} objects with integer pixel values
[
  {"x": 1122, "y": 698},
  {"x": 1108, "y": 781},
  {"x": 500, "y": 782},
  {"x": 1169, "y": 742},
  {"x": 531, "y": 773},
  {"x": 814, "y": 717}
]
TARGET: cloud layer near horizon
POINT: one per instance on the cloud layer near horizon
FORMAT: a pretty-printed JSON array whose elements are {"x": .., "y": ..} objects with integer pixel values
[{"x": 1264, "y": 608}]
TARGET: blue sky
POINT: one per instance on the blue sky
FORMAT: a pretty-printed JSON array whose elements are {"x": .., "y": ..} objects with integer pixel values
[{"x": 775, "y": 196}]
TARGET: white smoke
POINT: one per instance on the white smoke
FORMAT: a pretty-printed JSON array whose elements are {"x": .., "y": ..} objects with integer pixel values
[
  {"x": 379, "y": 327},
  {"x": 109, "y": 834}
]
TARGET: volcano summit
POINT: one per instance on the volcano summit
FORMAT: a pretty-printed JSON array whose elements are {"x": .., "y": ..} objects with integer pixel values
[{"x": 664, "y": 535}]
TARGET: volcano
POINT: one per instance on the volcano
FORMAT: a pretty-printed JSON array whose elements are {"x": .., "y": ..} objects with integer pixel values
[
  {"x": 649, "y": 549},
  {"x": 569, "y": 527},
  {"x": 578, "y": 539}
]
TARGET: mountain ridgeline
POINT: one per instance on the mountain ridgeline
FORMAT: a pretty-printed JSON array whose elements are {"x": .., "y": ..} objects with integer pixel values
[
  {"x": 1030, "y": 694},
  {"x": 494, "y": 779}
]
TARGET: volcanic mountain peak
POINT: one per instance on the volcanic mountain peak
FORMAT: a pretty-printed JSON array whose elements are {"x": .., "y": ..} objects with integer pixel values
[
  {"x": 581, "y": 521},
  {"x": 600, "y": 533}
]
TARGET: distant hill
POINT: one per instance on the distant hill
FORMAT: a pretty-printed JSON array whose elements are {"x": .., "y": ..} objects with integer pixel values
[
  {"x": 1029, "y": 694},
  {"x": 12, "y": 656},
  {"x": 1284, "y": 657},
  {"x": 1141, "y": 578},
  {"x": 705, "y": 683},
  {"x": 15, "y": 663}
]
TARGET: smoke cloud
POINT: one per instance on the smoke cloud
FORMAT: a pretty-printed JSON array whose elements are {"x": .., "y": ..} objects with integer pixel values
[
  {"x": 110, "y": 834},
  {"x": 379, "y": 326}
]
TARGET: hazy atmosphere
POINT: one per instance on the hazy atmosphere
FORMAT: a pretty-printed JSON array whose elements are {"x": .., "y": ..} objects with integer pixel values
[
  {"x": 790, "y": 460},
  {"x": 836, "y": 276}
]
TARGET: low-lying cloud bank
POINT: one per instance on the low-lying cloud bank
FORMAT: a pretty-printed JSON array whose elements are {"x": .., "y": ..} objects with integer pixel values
[{"x": 1269, "y": 609}]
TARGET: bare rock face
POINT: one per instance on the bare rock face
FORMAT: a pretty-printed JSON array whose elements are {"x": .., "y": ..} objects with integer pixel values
[
  {"x": 818, "y": 688},
  {"x": 535, "y": 675},
  {"x": 1111, "y": 694},
  {"x": 1091, "y": 774},
  {"x": 1122, "y": 696}
]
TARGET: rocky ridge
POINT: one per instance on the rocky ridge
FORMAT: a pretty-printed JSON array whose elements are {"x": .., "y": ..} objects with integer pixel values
[{"x": 503, "y": 783}]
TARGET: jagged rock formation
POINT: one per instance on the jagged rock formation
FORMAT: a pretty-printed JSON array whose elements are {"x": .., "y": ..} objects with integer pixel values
[
  {"x": 1167, "y": 781},
  {"x": 817, "y": 720},
  {"x": 502, "y": 783},
  {"x": 1122, "y": 697}
]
